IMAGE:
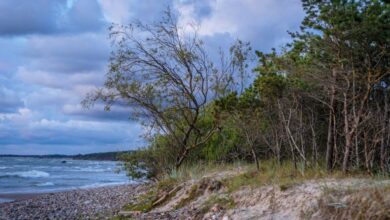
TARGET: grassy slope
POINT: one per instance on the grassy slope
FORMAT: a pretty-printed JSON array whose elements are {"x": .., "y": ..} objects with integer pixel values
[{"x": 190, "y": 186}]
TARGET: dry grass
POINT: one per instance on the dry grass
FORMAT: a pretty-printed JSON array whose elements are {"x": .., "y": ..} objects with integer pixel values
[
  {"x": 284, "y": 175},
  {"x": 143, "y": 203},
  {"x": 200, "y": 170},
  {"x": 241, "y": 174},
  {"x": 367, "y": 203},
  {"x": 222, "y": 201}
]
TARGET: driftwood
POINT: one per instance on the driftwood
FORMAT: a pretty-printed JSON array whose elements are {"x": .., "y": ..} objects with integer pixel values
[{"x": 166, "y": 196}]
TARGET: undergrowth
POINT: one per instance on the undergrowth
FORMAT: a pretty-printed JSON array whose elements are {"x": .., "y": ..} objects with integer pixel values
[{"x": 200, "y": 170}]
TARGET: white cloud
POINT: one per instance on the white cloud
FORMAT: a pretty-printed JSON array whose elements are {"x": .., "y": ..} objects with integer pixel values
[
  {"x": 263, "y": 22},
  {"x": 116, "y": 11}
]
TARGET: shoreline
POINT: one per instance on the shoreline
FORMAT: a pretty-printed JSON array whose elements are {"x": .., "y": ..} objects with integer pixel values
[
  {"x": 14, "y": 197},
  {"x": 90, "y": 203},
  {"x": 19, "y": 196}
]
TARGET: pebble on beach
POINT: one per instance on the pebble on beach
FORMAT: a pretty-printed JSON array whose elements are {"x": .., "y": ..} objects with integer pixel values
[{"x": 96, "y": 203}]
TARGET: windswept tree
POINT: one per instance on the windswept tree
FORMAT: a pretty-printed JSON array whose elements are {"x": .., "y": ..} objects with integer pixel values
[{"x": 163, "y": 73}]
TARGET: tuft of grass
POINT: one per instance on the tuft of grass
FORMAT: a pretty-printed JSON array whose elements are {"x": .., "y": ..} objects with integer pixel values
[
  {"x": 166, "y": 184},
  {"x": 192, "y": 194},
  {"x": 286, "y": 186},
  {"x": 144, "y": 203},
  {"x": 223, "y": 201},
  {"x": 198, "y": 189}
]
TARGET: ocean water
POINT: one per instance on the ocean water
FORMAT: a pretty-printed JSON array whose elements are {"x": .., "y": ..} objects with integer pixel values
[{"x": 32, "y": 175}]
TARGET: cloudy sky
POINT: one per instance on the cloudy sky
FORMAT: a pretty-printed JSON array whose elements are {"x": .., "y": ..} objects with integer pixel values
[{"x": 53, "y": 52}]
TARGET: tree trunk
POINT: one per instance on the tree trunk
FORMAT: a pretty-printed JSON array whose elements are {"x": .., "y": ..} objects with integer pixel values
[
  {"x": 329, "y": 147},
  {"x": 382, "y": 154},
  {"x": 348, "y": 135},
  {"x": 181, "y": 158},
  {"x": 355, "y": 116},
  {"x": 348, "y": 144},
  {"x": 383, "y": 143},
  {"x": 255, "y": 158}
]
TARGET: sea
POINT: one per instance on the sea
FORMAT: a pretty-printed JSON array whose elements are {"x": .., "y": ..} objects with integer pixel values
[{"x": 40, "y": 175}]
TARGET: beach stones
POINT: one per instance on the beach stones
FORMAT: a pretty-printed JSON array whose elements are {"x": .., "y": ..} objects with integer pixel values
[{"x": 96, "y": 203}]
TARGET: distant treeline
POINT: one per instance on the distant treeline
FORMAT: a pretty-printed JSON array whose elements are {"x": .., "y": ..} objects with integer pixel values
[
  {"x": 100, "y": 156},
  {"x": 114, "y": 156}
]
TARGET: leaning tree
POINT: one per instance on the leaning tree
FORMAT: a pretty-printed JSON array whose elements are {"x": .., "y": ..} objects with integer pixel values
[{"x": 164, "y": 74}]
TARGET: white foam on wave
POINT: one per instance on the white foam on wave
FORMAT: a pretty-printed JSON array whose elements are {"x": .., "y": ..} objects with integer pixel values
[
  {"x": 92, "y": 169},
  {"x": 29, "y": 174},
  {"x": 96, "y": 185},
  {"x": 97, "y": 169},
  {"x": 2, "y": 200},
  {"x": 45, "y": 184}
]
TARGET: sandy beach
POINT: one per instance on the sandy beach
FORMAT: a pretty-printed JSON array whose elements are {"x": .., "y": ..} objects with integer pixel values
[{"x": 94, "y": 203}]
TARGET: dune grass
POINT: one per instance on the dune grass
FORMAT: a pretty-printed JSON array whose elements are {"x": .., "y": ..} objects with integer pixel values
[
  {"x": 200, "y": 170},
  {"x": 284, "y": 175},
  {"x": 364, "y": 203},
  {"x": 242, "y": 174}
]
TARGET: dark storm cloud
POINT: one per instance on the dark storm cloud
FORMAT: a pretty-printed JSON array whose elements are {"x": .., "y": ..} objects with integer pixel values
[
  {"x": 97, "y": 112},
  {"x": 73, "y": 132},
  {"x": 27, "y": 17},
  {"x": 68, "y": 54},
  {"x": 24, "y": 17}
]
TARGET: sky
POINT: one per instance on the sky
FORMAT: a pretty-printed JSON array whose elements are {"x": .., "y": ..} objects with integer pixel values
[{"x": 54, "y": 52}]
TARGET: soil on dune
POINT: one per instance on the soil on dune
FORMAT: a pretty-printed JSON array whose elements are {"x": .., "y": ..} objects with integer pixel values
[{"x": 208, "y": 198}]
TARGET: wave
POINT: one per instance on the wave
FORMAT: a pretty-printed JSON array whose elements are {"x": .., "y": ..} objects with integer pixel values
[
  {"x": 91, "y": 169},
  {"x": 96, "y": 185},
  {"x": 27, "y": 174},
  {"x": 94, "y": 170},
  {"x": 2, "y": 200},
  {"x": 45, "y": 184}
]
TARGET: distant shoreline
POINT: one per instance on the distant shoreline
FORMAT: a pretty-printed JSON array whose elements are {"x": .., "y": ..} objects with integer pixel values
[{"x": 105, "y": 156}]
